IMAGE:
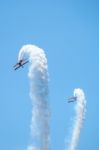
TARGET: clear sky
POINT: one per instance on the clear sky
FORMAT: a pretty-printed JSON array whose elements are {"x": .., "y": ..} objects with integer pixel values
[{"x": 68, "y": 31}]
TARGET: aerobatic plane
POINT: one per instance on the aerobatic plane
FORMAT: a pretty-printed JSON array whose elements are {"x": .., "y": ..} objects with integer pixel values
[
  {"x": 19, "y": 64},
  {"x": 72, "y": 99}
]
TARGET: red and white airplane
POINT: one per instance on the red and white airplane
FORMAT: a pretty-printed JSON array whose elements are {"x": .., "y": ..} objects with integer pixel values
[{"x": 19, "y": 64}]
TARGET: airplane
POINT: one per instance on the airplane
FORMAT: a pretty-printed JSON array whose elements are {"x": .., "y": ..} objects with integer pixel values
[
  {"x": 21, "y": 63},
  {"x": 72, "y": 99}
]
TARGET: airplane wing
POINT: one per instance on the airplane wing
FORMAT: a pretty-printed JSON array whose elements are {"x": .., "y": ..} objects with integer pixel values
[
  {"x": 17, "y": 67},
  {"x": 24, "y": 63},
  {"x": 72, "y": 99}
]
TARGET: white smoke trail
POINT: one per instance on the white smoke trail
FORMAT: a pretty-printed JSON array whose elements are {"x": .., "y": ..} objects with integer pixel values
[
  {"x": 38, "y": 75},
  {"x": 80, "y": 109}
]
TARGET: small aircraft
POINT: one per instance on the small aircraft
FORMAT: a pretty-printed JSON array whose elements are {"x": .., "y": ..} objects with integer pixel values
[
  {"x": 21, "y": 63},
  {"x": 72, "y": 99}
]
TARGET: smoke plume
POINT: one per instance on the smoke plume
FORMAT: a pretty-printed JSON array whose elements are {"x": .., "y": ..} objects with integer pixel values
[
  {"x": 38, "y": 75},
  {"x": 80, "y": 110}
]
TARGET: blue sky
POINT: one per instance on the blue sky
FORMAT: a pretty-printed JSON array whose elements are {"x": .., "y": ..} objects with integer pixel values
[{"x": 68, "y": 31}]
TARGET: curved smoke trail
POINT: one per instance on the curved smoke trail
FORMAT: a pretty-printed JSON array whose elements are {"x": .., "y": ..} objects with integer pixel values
[
  {"x": 80, "y": 109},
  {"x": 38, "y": 75}
]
